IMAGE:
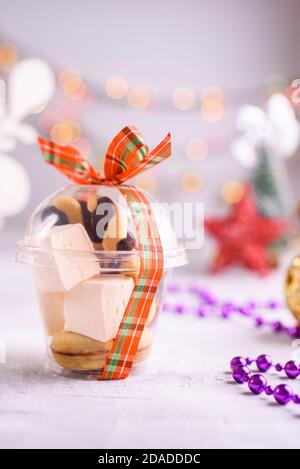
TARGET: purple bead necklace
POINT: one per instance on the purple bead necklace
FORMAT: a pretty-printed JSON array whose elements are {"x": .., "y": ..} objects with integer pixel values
[
  {"x": 258, "y": 384},
  {"x": 208, "y": 305}
]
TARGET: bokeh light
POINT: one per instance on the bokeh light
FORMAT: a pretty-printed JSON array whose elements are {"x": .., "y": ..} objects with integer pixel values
[
  {"x": 65, "y": 132},
  {"x": 212, "y": 109},
  {"x": 232, "y": 191},
  {"x": 8, "y": 56},
  {"x": 184, "y": 99},
  {"x": 116, "y": 87},
  {"x": 212, "y": 103},
  {"x": 197, "y": 150},
  {"x": 139, "y": 97},
  {"x": 191, "y": 181},
  {"x": 72, "y": 85},
  {"x": 212, "y": 92},
  {"x": 147, "y": 182}
]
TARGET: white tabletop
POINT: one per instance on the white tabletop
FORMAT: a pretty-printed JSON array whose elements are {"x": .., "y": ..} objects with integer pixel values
[{"x": 184, "y": 399}]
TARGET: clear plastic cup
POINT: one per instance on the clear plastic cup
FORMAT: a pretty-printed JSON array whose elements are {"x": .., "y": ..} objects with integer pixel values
[{"x": 81, "y": 246}]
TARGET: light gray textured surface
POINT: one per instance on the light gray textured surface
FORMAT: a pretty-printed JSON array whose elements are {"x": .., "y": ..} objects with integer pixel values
[{"x": 185, "y": 398}]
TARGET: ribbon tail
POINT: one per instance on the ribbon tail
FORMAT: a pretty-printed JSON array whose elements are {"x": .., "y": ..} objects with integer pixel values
[
  {"x": 69, "y": 161},
  {"x": 120, "y": 357}
]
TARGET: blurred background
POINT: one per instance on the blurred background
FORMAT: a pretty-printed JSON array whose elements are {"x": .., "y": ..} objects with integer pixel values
[{"x": 189, "y": 67}]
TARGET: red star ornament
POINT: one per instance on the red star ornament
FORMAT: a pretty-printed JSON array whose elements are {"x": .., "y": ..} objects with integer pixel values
[{"x": 244, "y": 236}]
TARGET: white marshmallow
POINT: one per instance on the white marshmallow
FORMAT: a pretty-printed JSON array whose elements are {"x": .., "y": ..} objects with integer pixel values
[
  {"x": 51, "y": 306},
  {"x": 64, "y": 270},
  {"x": 96, "y": 307}
]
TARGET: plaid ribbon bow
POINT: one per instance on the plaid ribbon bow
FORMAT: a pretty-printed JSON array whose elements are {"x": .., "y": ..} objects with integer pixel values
[{"x": 127, "y": 156}]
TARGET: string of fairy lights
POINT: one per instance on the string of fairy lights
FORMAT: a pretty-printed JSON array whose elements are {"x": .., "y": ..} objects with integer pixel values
[{"x": 62, "y": 126}]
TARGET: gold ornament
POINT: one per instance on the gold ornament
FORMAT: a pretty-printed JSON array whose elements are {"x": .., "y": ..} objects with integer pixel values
[{"x": 292, "y": 287}]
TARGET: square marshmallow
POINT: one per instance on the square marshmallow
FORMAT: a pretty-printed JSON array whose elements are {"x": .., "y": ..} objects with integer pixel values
[
  {"x": 96, "y": 307},
  {"x": 51, "y": 305},
  {"x": 63, "y": 270}
]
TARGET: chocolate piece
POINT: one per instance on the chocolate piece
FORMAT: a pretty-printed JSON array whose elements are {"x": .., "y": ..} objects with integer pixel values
[
  {"x": 127, "y": 244},
  {"x": 59, "y": 218},
  {"x": 106, "y": 212}
]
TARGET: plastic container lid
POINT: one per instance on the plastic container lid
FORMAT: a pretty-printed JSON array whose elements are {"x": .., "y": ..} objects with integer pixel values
[{"x": 106, "y": 221}]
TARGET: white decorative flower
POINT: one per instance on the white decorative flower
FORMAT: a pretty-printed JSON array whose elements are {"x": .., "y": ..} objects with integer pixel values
[
  {"x": 30, "y": 85},
  {"x": 277, "y": 129}
]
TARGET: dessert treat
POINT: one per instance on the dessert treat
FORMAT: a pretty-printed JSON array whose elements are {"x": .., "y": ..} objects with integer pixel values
[
  {"x": 78, "y": 352},
  {"x": 61, "y": 273},
  {"x": 71, "y": 343},
  {"x": 92, "y": 362},
  {"x": 70, "y": 207},
  {"x": 99, "y": 251},
  {"x": 95, "y": 307}
]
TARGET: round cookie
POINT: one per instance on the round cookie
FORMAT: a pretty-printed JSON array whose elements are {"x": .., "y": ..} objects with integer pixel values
[
  {"x": 70, "y": 207},
  {"x": 78, "y": 352},
  {"x": 90, "y": 362},
  {"x": 76, "y": 344},
  {"x": 87, "y": 362}
]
